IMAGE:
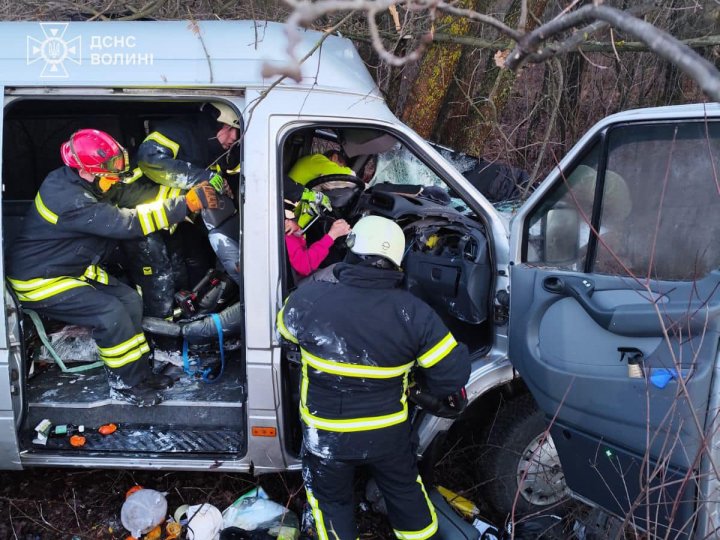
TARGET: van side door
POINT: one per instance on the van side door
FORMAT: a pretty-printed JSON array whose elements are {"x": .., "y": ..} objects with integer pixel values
[
  {"x": 11, "y": 371},
  {"x": 615, "y": 318}
]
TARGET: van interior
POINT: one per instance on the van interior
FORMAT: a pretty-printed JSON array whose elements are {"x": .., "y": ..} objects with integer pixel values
[{"x": 447, "y": 264}]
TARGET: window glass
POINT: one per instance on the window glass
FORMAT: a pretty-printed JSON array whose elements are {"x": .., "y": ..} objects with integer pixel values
[
  {"x": 661, "y": 202},
  {"x": 558, "y": 230},
  {"x": 660, "y": 199}
]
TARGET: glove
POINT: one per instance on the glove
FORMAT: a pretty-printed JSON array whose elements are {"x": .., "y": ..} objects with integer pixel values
[
  {"x": 218, "y": 182},
  {"x": 202, "y": 196},
  {"x": 450, "y": 407}
]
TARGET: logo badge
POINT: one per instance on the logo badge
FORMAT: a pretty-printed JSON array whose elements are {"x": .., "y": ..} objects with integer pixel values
[{"x": 54, "y": 50}]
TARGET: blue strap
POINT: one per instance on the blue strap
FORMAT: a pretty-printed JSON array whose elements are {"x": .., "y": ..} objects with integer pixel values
[
  {"x": 190, "y": 366},
  {"x": 218, "y": 326}
]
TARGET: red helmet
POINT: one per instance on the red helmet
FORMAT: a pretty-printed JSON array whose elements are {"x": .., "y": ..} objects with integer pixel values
[{"x": 94, "y": 152}]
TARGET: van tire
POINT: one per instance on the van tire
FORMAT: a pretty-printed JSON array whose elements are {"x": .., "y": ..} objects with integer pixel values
[{"x": 513, "y": 443}]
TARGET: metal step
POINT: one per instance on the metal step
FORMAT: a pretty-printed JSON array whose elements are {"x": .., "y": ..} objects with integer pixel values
[
  {"x": 143, "y": 439},
  {"x": 84, "y": 399}
]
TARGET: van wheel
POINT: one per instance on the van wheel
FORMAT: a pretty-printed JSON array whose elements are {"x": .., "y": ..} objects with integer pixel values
[{"x": 521, "y": 460}]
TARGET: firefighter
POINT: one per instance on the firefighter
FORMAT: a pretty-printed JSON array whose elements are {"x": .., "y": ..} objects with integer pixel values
[
  {"x": 359, "y": 339},
  {"x": 55, "y": 264},
  {"x": 154, "y": 262},
  {"x": 181, "y": 153}
]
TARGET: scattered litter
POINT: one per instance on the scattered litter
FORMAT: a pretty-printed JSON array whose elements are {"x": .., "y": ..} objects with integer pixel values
[
  {"x": 254, "y": 510},
  {"x": 203, "y": 522},
  {"x": 77, "y": 441},
  {"x": 107, "y": 429},
  {"x": 466, "y": 507},
  {"x": 172, "y": 530},
  {"x": 42, "y": 430},
  {"x": 142, "y": 511},
  {"x": 63, "y": 430}
]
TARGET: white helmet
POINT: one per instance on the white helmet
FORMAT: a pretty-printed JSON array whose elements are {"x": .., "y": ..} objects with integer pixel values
[
  {"x": 375, "y": 235},
  {"x": 227, "y": 115}
]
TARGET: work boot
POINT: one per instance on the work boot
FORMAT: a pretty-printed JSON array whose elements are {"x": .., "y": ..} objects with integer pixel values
[
  {"x": 156, "y": 381},
  {"x": 139, "y": 395}
]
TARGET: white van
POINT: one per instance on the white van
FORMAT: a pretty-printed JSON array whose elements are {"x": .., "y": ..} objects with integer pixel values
[{"x": 582, "y": 306}]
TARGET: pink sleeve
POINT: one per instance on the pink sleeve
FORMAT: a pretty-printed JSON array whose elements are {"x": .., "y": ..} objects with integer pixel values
[{"x": 305, "y": 260}]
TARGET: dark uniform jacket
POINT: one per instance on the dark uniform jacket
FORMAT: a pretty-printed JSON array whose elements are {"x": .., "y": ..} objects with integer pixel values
[
  {"x": 179, "y": 152},
  {"x": 70, "y": 227},
  {"x": 359, "y": 339}
]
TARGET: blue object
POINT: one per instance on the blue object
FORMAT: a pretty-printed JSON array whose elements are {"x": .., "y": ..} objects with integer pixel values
[
  {"x": 190, "y": 366},
  {"x": 661, "y": 377}
]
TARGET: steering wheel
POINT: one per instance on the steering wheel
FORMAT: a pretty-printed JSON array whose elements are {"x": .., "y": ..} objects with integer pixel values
[{"x": 343, "y": 190}]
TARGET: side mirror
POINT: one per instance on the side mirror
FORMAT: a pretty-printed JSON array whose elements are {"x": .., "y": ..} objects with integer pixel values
[{"x": 561, "y": 235}]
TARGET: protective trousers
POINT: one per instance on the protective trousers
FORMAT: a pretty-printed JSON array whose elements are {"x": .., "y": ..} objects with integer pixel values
[
  {"x": 114, "y": 313},
  {"x": 158, "y": 269},
  {"x": 329, "y": 489}
]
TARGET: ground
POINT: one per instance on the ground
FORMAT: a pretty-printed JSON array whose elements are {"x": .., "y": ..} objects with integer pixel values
[{"x": 49, "y": 504}]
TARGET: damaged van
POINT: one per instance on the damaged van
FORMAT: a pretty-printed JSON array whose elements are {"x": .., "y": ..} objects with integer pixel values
[{"x": 600, "y": 293}]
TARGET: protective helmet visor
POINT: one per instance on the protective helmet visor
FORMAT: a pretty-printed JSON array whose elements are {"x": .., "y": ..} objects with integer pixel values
[{"x": 117, "y": 164}]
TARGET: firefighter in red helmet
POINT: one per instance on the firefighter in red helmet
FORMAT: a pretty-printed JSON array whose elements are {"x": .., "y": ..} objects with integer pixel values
[{"x": 55, "y": 264}]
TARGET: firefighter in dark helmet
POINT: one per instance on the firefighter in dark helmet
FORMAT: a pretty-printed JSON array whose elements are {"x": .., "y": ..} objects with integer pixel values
[
  {"x": 359, "y": 339},
  {"x": 55, "y": 264},
  {"x": 181, "y": 153}
]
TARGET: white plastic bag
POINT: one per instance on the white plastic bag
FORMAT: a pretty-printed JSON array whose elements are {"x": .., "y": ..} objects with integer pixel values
[
  {"x": 253, "y": 510},
  {"x": 142, "y": 511},
  {"x": 203, "y": 521}
]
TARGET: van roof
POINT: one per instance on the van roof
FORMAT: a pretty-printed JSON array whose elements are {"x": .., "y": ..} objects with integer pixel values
[{"x": 170, "y": 54}]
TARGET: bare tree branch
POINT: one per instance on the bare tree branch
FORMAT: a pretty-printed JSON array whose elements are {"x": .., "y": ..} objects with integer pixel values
[{"x": 659, "y": 42}]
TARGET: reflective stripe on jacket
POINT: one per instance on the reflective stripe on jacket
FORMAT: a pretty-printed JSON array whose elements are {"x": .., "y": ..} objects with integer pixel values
[
  {"x": 70, "y": 228},
  {"x": 178, "y": 153},
  {"x": 359, "y": 339}
]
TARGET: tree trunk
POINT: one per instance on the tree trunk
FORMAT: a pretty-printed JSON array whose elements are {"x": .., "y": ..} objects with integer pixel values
[
  {"x": 494, "y": 90},
  {"x": 436, "y": 72}
]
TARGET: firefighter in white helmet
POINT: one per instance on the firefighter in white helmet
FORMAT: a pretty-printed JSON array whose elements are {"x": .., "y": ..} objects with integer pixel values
[{"x": 359, "y": 338}]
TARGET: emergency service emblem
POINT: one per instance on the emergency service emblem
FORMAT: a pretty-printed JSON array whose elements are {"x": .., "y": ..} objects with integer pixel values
[{"x": 53, "y": 49}]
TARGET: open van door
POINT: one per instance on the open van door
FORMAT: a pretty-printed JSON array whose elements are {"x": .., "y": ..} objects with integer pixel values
[
  {"x": 11, "y": 370},
  {"x": 615, "y": 316}
]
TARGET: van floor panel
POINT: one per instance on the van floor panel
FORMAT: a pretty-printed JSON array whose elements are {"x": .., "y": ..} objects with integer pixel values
[
  {"x": 141, "y": 439},
  {"x": 54, "y": 388},
  {"x": 84, "y": 399}
]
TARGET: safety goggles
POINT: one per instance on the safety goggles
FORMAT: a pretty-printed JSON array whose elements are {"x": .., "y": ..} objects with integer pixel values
[{"x": 118, "y": 164}]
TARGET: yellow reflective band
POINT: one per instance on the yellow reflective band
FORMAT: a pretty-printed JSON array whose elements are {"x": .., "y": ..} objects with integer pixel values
[
  {"x": 161, "y": 219},
  {"x": 353, "y": 424},
  {"x": 137, "y": 173},
  {"x": 96, "y": 273},
  {"x": 38, "y": 289},
  {"x": 132, "y": 356},
  {"x": 354, "y": 370},
  {"x": 44, "y": 211},
  {"x": 318, "y": 515},
  {"x": 162, "y": 140},
  {"x": 162, "y": 193},
  {"x": 147, "y": 270},
  {"x": 175, "y": 193},
  {"x": 428, "y": 531},
  {"x": 102, "y": 276},
  {"x": 123, "y": 347},
  {"x": 284, "y": 332},
  {"x": 438, "y": 352},
  {"x": 145, "y": 214}
]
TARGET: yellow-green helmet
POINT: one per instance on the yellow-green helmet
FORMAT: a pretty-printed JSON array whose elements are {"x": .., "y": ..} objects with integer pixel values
[{"x": 314, "y": 166}]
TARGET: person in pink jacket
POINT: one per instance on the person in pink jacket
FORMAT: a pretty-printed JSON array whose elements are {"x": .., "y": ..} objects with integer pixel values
[{"x": 306, "y": 259}]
